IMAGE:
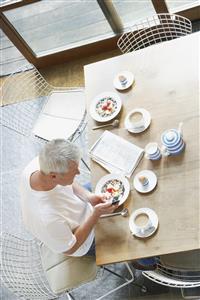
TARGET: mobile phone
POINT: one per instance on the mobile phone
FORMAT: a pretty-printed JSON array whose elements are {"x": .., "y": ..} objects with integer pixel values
[{"x": 115, "y": 201}]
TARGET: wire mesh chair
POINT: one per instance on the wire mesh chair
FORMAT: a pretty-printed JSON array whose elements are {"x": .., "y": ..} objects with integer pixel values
[
  {"x": 30, "y": 88},
  {"x": 153, "y": 30},
  {"x": 22, "y": 270},
  {"x": 174, "y": 277}
]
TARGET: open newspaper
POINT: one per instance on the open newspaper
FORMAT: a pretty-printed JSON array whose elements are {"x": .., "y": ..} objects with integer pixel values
[{"x": 116, "y": 154}]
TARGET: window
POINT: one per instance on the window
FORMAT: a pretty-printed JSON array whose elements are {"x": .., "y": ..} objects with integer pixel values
[
  {"x": 49, "y": 32},
  {"x": 52, "y": 26},
  {"x": 131, "y": 11},
  {"x": 11, "y": 58},
  {"x": 177, "y": 5}
]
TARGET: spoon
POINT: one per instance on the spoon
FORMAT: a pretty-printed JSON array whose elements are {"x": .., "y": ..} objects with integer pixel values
[
  {"x": 115, "y": 123},
  {"x": 123, "y": 213}
]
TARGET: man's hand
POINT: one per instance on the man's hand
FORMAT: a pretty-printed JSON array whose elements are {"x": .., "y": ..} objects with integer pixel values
[
  {"x": 96, "y": 199},
  {"x": 105, "y": 207}
]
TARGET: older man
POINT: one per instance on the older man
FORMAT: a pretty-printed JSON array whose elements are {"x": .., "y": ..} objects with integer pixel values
[{"x": 55, "y": 208}]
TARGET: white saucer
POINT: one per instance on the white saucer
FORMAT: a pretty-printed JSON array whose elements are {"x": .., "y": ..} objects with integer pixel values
[
  {"x": 130, "y": 80},
  {"x": 152, "y": 216},
  {"x": 147, "y": 120},
  {"x": 145, "y": 188}
]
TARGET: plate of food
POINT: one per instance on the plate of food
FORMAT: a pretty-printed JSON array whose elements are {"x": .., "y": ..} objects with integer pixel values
[
  {"x": 105, "y": 107},
  {"x": 123, "y": 80},
  {"x": 145, "y": 181},
  {"x": 116, "y": 187}
]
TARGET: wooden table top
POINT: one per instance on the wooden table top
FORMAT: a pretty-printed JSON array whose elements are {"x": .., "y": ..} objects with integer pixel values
[{"x": 167, "y": 85}]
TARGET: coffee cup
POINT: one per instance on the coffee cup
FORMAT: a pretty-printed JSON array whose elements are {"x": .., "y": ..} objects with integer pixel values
[
  {"x": 152, "y": 151},
  {"x": 142, "y": 223},
  {"x": 136, "y": 120}
]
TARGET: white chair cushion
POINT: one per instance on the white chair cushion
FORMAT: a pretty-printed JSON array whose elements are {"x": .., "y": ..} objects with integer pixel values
[{"x": 66, "y": 272}]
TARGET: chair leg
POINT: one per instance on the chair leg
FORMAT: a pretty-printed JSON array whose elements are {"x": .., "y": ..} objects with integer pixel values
[
  {"x": 69, "y": 296},
  {"x": 127, "y": 281},
  {"x": 190, "y": 293},
  {"x": 86, "y": 165}
]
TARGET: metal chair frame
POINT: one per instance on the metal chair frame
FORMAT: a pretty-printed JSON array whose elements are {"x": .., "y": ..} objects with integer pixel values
[
  {"x": 24, "y": 86},
  {"x": 172, "y": 277},
  {"x": 23, "y": 274},
  {"x": 153, "y": 30}
]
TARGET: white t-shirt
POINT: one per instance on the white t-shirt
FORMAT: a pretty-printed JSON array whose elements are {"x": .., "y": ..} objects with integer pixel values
[{"x": 51, "y": 216}]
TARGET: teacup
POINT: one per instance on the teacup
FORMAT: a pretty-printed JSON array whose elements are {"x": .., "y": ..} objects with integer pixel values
[
  {"x": 152, "y": 151},
  {"x": 136, "y": 120},
  {"x": 142, "y": 223}
]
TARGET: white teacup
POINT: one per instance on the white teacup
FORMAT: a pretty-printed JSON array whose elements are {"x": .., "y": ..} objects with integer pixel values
[
  {"x": 142, "y": 223},
  {"x": 136, "y": 120}
]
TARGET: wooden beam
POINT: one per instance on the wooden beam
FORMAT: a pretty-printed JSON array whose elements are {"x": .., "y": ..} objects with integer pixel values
[
  {"x": 160, "y": 6},
  {"x": 5, "y": 7},
  {"x": 111, "y": 15},
  {"x": 78, "y": 52},
  {"x": 193, "y": 13}
]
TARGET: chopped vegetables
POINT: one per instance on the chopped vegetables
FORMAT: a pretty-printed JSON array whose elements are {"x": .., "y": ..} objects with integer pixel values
[
  {"x": 106, "y": 106},
  {"x": 113, "y": 189}
]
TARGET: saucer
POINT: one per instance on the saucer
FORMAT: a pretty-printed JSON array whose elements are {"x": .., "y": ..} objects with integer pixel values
[
  {"x": 148, "y": 187},
  {"x": 130, "y": 80},
  {"x": 147, "y": 120},
  {"x": 152, "y": 216}
]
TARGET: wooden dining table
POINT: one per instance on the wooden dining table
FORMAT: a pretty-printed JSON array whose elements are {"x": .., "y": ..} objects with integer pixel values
[{"x": 167, "y": 85}]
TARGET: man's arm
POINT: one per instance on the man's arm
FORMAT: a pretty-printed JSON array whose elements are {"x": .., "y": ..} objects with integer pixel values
[
  {"x": 81, "y": 233},
  {"x": 81, "y": 192},
  {"x": 86, "y": 195}
]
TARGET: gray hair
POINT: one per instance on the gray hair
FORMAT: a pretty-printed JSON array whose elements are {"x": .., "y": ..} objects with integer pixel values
[{"x": 56, "y": 155}]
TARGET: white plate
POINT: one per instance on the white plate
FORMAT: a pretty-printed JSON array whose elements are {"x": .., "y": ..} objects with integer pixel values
[
  {"x": 146, "y": 116},
  {"x": 152, "y": 216},
  {"x": 130, "y": 80},
  {"x": 107, "y": 178},
  {"x": 145, "y": 188},
  {"x": 100, "y": 118}
]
